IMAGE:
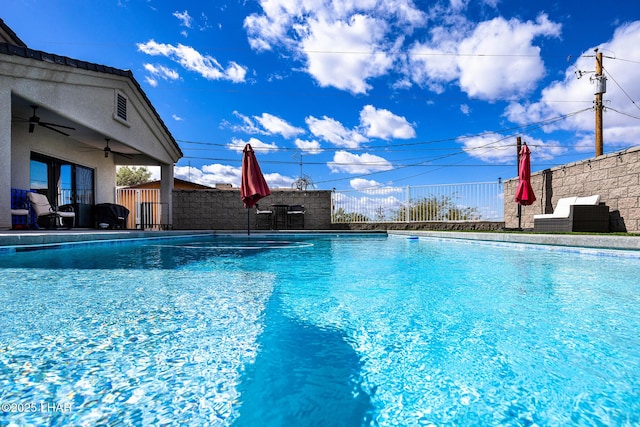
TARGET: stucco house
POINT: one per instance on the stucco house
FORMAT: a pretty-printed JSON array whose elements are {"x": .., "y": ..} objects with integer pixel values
[{"x": 65, "y": 124}]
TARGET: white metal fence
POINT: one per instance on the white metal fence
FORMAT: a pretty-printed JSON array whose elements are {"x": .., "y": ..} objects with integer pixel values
[
  {"x": 481, "y": 201},
  {"x": 145, "y": 208}
]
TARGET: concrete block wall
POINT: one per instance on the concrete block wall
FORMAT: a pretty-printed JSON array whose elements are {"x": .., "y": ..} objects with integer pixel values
[
  {"x": 223, "y": 209},
  {"x": 615, "y": 177}
]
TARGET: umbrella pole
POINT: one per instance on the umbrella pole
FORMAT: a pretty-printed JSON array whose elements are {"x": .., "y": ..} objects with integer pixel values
[
  {"x": 519, "y": 217},
  {"x": 248, "y": 223}
]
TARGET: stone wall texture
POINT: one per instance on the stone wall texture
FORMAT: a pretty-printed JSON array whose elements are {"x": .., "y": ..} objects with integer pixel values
[
  {"x": 223, "y": 209},
  {"x": 615, "y": 177}
]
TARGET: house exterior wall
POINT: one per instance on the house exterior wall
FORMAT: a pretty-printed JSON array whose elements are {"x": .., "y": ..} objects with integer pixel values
[
  {"x": 55, "y": 145},
  {"x": 615, "y": 177},
  {"x": 6, "y": 155},
  {"x": 223, "y": 209},
  {"x": 88, "y": 98},
  {"x": 85, "y": 99}
]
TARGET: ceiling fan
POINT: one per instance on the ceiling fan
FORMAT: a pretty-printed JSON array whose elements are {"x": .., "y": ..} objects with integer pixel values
[
  {"x": 35, "y": 120},
  {"x": 108, "y": 150}
]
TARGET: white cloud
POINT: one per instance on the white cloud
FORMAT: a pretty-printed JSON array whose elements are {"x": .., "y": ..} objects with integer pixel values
[
  {"x": 345, "y": 54},
  {"x": 362, "y": 184},
  {"x": 257, "y": 145},
  {"x": 276, "y": 125},
  {"x": 511, "y": 76},
  {"x": 191, "y": 60},
  {"x": 269, "y": 125},
  {"x": 375, "y": 123},
  {"x": 343, "y": 43},
  {"x": 572, "y": 94},
  {"x": 247, "y": 126},
  {"x": 495, "y": 148},
  {"x": 334, "y": 132},
  {"x": 495, "y": 60},
  {"x": 381, "y": 123},
  {"x": 275, "y": 180},
  {"x": 184, "y": 18},
  {"x": 308, "y": 147},
  {"x": 151, "y": 81},
  {"x": 177, "y": 118},
  {"x": 344, "y": 161},
  {"x": 490, "y": 148},
  {"x": 155, "y": 172},
  {"x": 224, "y": 174},
  {"x": 210, "y": 174},
  {"x": 348, "y": 44},
  {"x": 464, "y": 108},
  {"x": 161, "y": 72}
]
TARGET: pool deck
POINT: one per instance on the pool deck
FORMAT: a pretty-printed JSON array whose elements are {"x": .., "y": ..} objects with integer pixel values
[
  {"x": 44, "y": 238},
  {"x": 597, "y": 241}
]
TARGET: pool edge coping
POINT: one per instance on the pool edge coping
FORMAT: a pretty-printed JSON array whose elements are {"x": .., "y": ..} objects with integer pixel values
[
  {"x": 567, "y": 240},
  {"x": 46, "y": 239}
]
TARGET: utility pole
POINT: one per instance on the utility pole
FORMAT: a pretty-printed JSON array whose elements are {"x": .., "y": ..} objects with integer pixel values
[{"x": 600, "y": 89}]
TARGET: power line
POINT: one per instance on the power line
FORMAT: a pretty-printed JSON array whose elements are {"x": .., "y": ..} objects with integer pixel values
[
  {"x": 534, "y": 125},
  {"x": 397, "y": 167},
  {"x": 623, "y": 113},
  {"x": 621, "y": 88},
  {"x": 625, "y": 60}
]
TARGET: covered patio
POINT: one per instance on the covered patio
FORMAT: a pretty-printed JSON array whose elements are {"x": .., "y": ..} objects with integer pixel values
[{"x": 66, "y": 124}]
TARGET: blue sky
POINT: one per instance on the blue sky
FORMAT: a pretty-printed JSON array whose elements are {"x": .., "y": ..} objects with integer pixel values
[{"x": 362, "y": 93}]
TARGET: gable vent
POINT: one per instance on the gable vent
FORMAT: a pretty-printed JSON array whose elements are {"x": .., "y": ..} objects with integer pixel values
[{"x": 121, "y": 107}]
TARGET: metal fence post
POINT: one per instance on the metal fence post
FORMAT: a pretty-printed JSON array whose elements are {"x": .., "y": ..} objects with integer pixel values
[{"x": 408, "y": 204}]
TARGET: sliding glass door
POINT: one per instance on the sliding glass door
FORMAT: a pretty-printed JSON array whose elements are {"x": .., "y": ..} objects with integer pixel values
[
  {"x": 83, "y": 190},
  {"x": 65, "y": 183}
]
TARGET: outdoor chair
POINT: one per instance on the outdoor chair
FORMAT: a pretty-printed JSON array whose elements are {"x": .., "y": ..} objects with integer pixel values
[
  {"x": 20, "y": 212},
  {"x": 583, "y": 214},
  {"x": 264, "y": 213},
  {"x": 293, "y": 212},
  {"x": 50, "y": 216}
]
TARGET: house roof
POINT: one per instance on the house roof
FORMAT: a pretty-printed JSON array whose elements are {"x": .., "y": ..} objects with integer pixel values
[
  {"x": 18, "y": 48},
  {"x": 178, "y": 184},
  {"x": 9, "y": 36}
]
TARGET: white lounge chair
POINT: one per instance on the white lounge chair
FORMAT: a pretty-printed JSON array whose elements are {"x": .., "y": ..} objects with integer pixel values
[
  {"x": 49, "y": 216},
  {"x": 585, "y": 214}
]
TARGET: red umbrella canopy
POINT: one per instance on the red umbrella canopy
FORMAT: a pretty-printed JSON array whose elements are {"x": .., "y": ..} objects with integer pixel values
[
  {"x": 524, "y": 192},
  {"x": 253, "y": 187}
]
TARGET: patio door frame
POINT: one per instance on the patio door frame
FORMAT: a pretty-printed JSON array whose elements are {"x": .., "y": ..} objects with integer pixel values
[{"x": 63, "y": 183}]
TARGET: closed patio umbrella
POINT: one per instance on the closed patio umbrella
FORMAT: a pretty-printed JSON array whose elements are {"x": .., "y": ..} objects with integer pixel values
[
  {"x": 253, "y": 186},
  {"x": 524, "y": 193}
]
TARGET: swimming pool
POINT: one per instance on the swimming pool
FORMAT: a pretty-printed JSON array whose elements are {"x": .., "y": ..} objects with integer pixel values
[{"x": 319, "y": 330}]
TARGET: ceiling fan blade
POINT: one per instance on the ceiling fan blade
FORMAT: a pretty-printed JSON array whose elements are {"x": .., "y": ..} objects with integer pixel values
[
  {"x": 53, "y": 129},
  {"x": 56, "y": 125}
]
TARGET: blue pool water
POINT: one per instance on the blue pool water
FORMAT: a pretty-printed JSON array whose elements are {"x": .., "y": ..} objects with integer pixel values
[{"x": 319, "y": 331}]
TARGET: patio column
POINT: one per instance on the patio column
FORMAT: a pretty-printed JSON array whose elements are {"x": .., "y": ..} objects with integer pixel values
[
  {"x": 5, "y": 157},
  {"x": 166, "y": 193}
]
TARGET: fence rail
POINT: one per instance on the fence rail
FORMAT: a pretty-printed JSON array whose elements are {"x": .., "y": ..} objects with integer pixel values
[
  {"x": 145, "y": 208},
  {"x": 480, "y": 201}
]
